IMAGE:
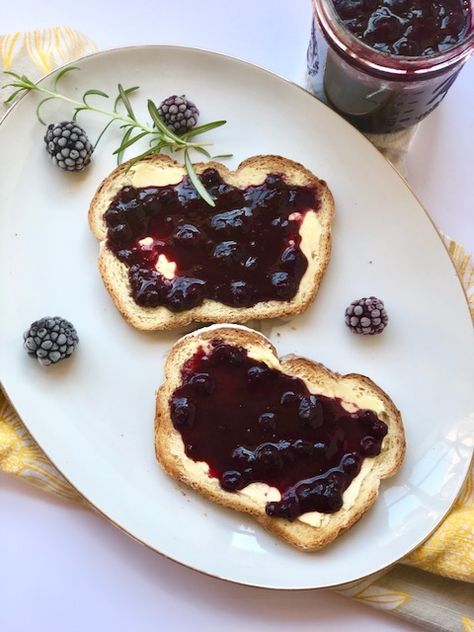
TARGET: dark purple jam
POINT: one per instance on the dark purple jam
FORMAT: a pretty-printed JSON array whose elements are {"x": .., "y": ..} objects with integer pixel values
[
  {"x": 406, "y": 27},
  {"x": 251, "y": 423},
  {"x": 180, "y": 251}
]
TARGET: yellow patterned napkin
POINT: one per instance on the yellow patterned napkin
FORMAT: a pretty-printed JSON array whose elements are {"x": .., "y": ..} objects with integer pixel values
[
  {"x": 39, "y": 52},
  {"x": 430, "y": 599}
]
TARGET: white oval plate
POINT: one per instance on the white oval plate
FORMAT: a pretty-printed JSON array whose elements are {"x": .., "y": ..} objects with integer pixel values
[{"x": 93, "y": 415}]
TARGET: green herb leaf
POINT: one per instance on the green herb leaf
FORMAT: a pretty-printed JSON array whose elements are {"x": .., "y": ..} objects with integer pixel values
[
  {"x": 222, "y": 156},
  {"x": 129, "y": 142},
  {"x": 61, "y": 74},
  {"x": 125, "y": 138},
  {"x": 126, "y": 101},
  {"x": 193, "y": 176},
  {"x": 155, "y": 115},
  {"x": 153, "y": 140},
  {"x": 10, "y": 73},
  {"x": 12, "y": 85},
  {"x": 20, "y": 81},
  {"x": 13, "y": 95},
  {"x": 99, "y": 93},
  {"x": 39, "y": 106},
  {"x": 201, "y": 129},
  {"x": 103, "y": 132},
  {"x": 127, "y": 92},
  {"x": 79, "y": 109},
  {"x": 203, "y": 151}
]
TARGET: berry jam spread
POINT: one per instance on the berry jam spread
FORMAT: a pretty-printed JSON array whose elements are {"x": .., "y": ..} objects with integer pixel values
[
  {"x": 406, "y": 27},
  {"x": 179, "y": 250},
  {"x": 252, "y": 423}
]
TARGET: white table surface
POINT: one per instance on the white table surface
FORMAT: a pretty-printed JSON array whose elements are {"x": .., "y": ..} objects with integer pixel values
[{"x": 65, "y": 568}]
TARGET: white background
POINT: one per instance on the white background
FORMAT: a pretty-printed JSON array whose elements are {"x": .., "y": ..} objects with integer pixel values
[{"x": 64, "y": 568}]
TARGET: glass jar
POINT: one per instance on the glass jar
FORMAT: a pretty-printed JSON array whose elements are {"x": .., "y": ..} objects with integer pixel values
[{"x": 375, "y": 91}]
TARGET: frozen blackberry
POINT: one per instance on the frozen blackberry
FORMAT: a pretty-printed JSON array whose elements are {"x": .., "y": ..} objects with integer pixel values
[
  {"x": 179, "y": 114},
  {"x": 50, "y": 340},
  {"x": 366, "y": 316},
  {"x": 68, "y": 145}
]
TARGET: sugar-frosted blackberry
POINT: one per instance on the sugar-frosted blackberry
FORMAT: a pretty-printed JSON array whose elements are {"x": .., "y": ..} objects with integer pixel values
[
  {"x": 366, "y": 316},
  {"x": 179, "y": 114},
  {"x": 50, "y": 340},
  {"x": 68, "y": 145}
]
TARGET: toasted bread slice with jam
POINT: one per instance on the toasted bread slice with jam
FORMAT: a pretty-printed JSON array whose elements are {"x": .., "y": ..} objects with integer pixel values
[
  {"x": 159, "y": 171},
  {"x": 355, "y": 393}
]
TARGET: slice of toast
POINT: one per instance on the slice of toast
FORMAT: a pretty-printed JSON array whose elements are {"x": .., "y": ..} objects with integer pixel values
[
  {"x": 161, "y": 170},
  {"x": 312, "y": 530}
]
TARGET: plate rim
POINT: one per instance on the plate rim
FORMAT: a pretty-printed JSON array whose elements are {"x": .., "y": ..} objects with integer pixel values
[{"x": 404, "y": 181}]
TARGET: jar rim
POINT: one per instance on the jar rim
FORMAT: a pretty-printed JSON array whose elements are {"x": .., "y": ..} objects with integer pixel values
[{"x": 386, "y": 65}]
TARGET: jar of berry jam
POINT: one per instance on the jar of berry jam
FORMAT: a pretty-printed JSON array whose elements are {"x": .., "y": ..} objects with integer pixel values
[{"x": 388, "y": 63}]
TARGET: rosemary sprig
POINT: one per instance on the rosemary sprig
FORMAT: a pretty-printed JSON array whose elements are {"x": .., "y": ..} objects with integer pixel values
[{"x": 160, "y": 136}]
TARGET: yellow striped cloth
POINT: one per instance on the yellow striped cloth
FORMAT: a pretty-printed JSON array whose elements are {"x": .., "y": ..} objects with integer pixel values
[
  {"x": 44, "y": 50},
  {"x": 427, "y": 598}
]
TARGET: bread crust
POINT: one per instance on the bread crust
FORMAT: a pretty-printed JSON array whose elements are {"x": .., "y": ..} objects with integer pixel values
[
  {"x": 114, "y": 273},
  {"x": 170, "y": 451}
]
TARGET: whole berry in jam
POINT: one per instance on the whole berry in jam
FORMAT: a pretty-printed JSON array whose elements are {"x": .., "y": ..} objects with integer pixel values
[
  {"x": 293, "y": 260},
  {"x": 202, "y": 383},
  {"x": 351, "y": 463},
  {"x": 183, "y": 411},
  {"x": 369, "y": 446},
  {"x": 187, "y": 235},
  {"x": 184, "y": 294},
  {"x": 50, "y": 340},
  {"x": 120, "y": 234},
  {"x": 243, "y": 457},
  {"x": 282, "y": 284},
  {"x": 383, "y": 27},
  {"x": 310, "y": 412},
  {"x": 210, "y": 178},
  {"x": 228, "y": 222},
  {"x": 289, "y": 398},
  {"x": 241, "y": 294},
  {"x": 232, "y": 480},
  {"x": 378, "y": 429},
  {"x": 288, "y": 508},
  {"x": 269, "y": 457},
  {"x": 68, "y": 146},
  {"x": 228, "y": 355},
  {"x": 149, "y": 288},
  {"x": 333, "y": 499},
  {"x": 268, "y": 422},
  {"x": 256, "y": 375},
  {"x": 335, "y": 480},
  {"x": 366, "y": 316},
  {"x": 226, "y": 253},
  {"x": 178, "y": 113}
]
